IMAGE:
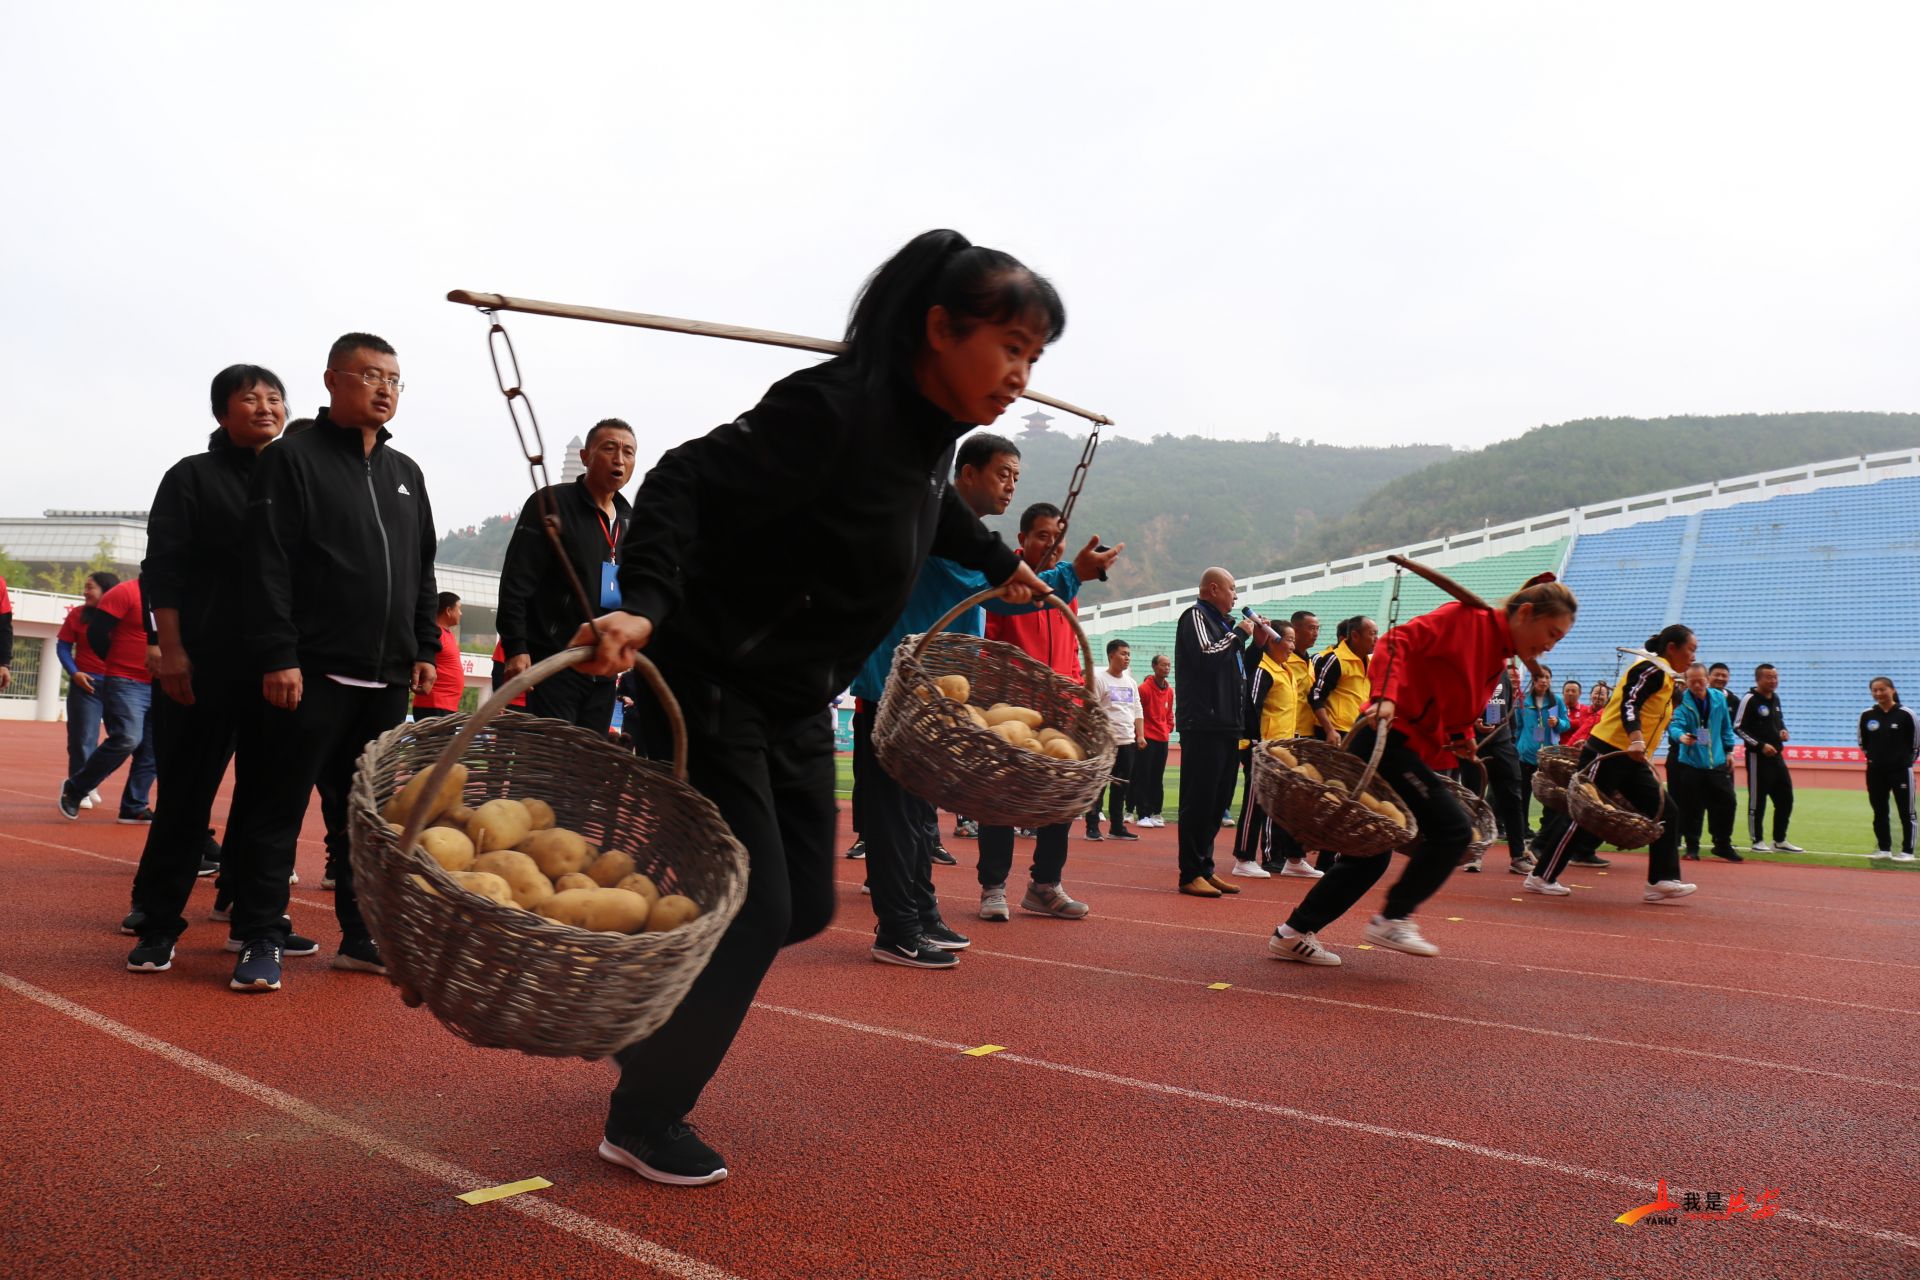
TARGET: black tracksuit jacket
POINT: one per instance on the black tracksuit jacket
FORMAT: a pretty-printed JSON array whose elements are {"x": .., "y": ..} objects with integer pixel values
[
  {"x": 774, "y": 553},
  {"x": 196, "y": 553},
  {"x": 1887, "y": 738},
  {"x": 538, "y": 611},
  {"x": 339, "y": 558},
  {"x": 1211, "y": 665},
  {"x": 1757, "y": 720}
]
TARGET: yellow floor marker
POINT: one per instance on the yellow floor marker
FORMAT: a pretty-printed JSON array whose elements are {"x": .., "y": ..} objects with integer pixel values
[
  {"x": 1519, "y": 899},
  {"x": 1218, "y": 986},
  {"x": 981, "y": 1051},
  {"x": 1603, "y": 873},
  {"x": 504, "y": 1190},
  {"x": 1364, "y": 946},
  {"x": 1455, "y": 919}
]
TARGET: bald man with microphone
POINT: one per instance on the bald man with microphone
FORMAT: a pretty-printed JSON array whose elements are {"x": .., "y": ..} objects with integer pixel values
[{"x": 1212, "y": 658}]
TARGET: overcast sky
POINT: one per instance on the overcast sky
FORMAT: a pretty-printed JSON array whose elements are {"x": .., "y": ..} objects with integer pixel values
[{"x": 1359, "y": 223}]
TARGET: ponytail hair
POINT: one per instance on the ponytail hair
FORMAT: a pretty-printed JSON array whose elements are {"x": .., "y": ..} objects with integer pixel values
[
  {"x": 888, "y": 324},
  {"x": 1673, "y": 633},
  {"x": 1547, "y": 594}
]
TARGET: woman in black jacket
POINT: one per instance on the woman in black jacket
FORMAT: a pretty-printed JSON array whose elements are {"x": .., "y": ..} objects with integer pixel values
[
  {"x": 764, "y": 562},
  {"x": 1887, "y": 738}
]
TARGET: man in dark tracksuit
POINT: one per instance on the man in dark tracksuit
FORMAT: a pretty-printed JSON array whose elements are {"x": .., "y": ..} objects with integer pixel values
[
  {"x": 341, "y": 605},
  {"x": 538, "y": 609},
  {"x": 193, "y": 575},
  {"x": 1760, "y": 726},
  {"x": 1211, "y": 660}
]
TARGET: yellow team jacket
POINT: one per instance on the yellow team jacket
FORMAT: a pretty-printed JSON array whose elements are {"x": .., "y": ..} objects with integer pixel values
[
  {"x": 1279, "y": 711},
  {"x": 1350, "y": 696},
  {"x": 1302, "y": 672},
  {"x": 1653, "y": 714}
]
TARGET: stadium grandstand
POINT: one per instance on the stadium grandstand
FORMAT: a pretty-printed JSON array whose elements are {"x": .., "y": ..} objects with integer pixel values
[{"x": 1809, "y": 568}]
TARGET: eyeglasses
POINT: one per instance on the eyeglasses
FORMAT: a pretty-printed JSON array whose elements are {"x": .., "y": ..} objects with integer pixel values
[{"x": 374, "y": 378}]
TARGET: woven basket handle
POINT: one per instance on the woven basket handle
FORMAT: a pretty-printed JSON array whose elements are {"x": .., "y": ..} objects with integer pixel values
[
  {"x": 511, "y": 689},
  {"x": 979, "y": 598}
]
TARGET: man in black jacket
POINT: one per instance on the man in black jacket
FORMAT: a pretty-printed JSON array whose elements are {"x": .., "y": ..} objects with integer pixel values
[
  {"x": 538, "y": 610},
  {"x": 1212, "y": 657},
  {"x": 341, "y": 603},
  {"x": 193, "y": 571},
  {"x": 1761, "y": 727}
]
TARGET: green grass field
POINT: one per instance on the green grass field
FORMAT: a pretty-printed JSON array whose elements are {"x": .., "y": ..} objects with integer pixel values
[{"x": 1834, "y": 826}]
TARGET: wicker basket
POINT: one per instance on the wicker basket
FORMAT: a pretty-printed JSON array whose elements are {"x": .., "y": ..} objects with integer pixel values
[
  {"x": 930, "y": 747},
  {"x": 1480, "y": 814},
  {"x": 1550, "y": 778},
  {"x": 502, "y": 977},
  {"x": 1324, "y": 817},
  {"x": 1611, "y": 817}
]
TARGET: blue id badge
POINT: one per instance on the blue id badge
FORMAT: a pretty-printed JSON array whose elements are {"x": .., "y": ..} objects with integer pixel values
[{"x": 609, "y": 585}]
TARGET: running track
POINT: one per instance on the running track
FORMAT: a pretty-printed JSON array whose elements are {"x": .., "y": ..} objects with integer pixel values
[{"x": 1487, "y": 1113}]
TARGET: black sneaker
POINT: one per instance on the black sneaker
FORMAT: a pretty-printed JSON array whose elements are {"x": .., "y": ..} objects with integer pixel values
[
  {"x": 675, "y": 1155},
  {"x": 131, "y": 925},
  {"x": 915, "y": 953},
  {"x": 141, "y": 817},
  {"x": 1728, "y": 854},
  {"x": 69, "y": 802},
  {"x": 1093, "y": 833},
  {"x": 153, "y": 955},
  {"x": 209, "y": 866},
  {"x": 360, "y": 955},
  {"x": 942, "y": 935},
  {"x": 294, "y": 945},
  {"x": 858, "y": 850},
  {"x": 1588, "y": 861},
  {"x": 259, "y": 967},
  {"x": 1121, "y": 833},
  {"x": 945, "y": 859}
]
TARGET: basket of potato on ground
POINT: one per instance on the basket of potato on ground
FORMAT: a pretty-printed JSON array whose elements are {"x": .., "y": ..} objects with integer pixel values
[
  {"x": 1311, "y": 788},
  {"x": 1551, "y": 775},
  {"x": 1609, "y": 816},
  {"x": 533, "y": 884},
  {"x": 979, "y": 727}
]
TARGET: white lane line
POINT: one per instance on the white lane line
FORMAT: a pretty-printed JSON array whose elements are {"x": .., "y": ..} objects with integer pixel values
[
  {"x": 452, "y": 1176},
  {"x": 1333, "y": 1122},
  {"x": 1458, "y": 1019}
]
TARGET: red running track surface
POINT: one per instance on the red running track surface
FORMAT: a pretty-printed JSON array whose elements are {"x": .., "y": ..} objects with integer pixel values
[{"x": 1487, "y": 1113}]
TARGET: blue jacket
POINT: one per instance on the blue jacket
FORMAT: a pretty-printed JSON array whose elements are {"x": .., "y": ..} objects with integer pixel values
[
  {"x": 941, "y": 585},
  {"x": 1713, "y": 733},
  {"x": 1531, "y": 730}
]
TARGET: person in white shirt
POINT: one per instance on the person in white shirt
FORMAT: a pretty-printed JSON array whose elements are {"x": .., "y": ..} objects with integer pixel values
[{"x": 1122, "y": 698}]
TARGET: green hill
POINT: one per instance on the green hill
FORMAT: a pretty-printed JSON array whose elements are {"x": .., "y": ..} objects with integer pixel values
[{"x": 1595, "y": 460}]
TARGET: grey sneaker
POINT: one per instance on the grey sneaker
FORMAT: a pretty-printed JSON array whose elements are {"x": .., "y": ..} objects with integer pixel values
[
  {"x": 1399, "y": 935},
  {"x": 1052, "y": 900},
  {"x": 993, "y": 902},
  {"x": 1787, "y": 846}
]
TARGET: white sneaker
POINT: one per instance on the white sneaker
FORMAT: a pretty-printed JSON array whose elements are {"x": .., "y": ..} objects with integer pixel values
[
  {"x": 95, "y": 797},
  {"x": 1302, "y": 868},
  {"x": 1903, "y": 857},
  {"x": 1473, "y": 866},
  {"x": 1158, "y": 821},
  {"x": 1879, "y": 855},
  {"x": 86, "y": 802},
  {"x": 1762, "y": 846},
  {"x": 1665, "y": 890},
  {"x": 294, "y": 878},
  {"x": 1227, "y": 821},
  {"x": 993, "y": 902},
  {"x": 1787, "y": 846},
  {"x": 1399, "y": 935},
  {"x": 1252, "y": 871},
  {"x": 867, "y": 889},
  {"x": 1553, "y": 889},
  {"x": 1303, "y": 947}
]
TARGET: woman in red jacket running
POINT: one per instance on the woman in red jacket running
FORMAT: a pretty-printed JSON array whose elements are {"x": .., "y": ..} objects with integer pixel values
[{"x": 1432, "y": 677}]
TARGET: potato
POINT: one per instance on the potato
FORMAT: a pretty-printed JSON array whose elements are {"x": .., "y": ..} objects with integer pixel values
[
  {"x": 1310, "y": 773},
  {"x": 955, "y": 687},
  {"x": 1013, "y": 732},
  {"x": 457, "y": 817},
  {"x": 641, "y": 885},
  {"x": 521, "y": 873},
  {"x": 499, "y": 824},
  {"x": 610, "y": 868},
  {"x": 1000, "y": 712},
  {"x": 611, "y": 910},
  {"x": 487, "y": 885},
  {"x": 557, "y": 852},
  {"x": 403, "y": 803},
  {"x": 542, "y": 814},
  {"x": 573, "y": 880},
  {"x": 671, "y": 912},
  {"x": 1284, "y": 756},
  {"x": 453, "y": 851},
  {"x": 1061, "y": 747},
  {"x": 1335, "y": 783},
  {"x": 976, "y": 715}
]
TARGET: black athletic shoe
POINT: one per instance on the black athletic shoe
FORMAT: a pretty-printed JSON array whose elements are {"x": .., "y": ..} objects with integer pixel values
[
  {"x": 1690, "y": 856},
  {"x": 360, "y": 955},
  {"x": 295, "y": 945},
  {"x": 259, "y": 967},
  {"x": 945, "y": 859},
  {"x": 141, "y": 817},
  {"x": 1093, "y": 833},
  {"x": 153, "y": 955},
  {"x": 1588, "y": 861},
  {"x": 858, "y": 850},
  {"x": 70, "y": 802},
  {"x": 674, "y": 1155},
  {"x": 1121, "y": 833},
  {"x": 209, "y": 866},
  {"x": 915, "y": 953},
  {"x": 1728, "y": 854},
  {"x": 945, "y": 937},
  {"x": 131, "y": 925}
]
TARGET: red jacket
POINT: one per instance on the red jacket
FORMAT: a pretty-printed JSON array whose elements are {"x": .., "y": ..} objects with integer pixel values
[
  {"x": 74, "y": 632},
  {"x": 1440, "y": 670},
  {"x": 449, "y": 677},
  {"x": 1043, "y": 634},
  {"x": 1156, "y": 708},
  {"x": 1581, "y": 720}
]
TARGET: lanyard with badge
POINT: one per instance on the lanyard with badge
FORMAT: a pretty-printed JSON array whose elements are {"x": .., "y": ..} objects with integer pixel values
[{"x": 610, "y": 567}]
